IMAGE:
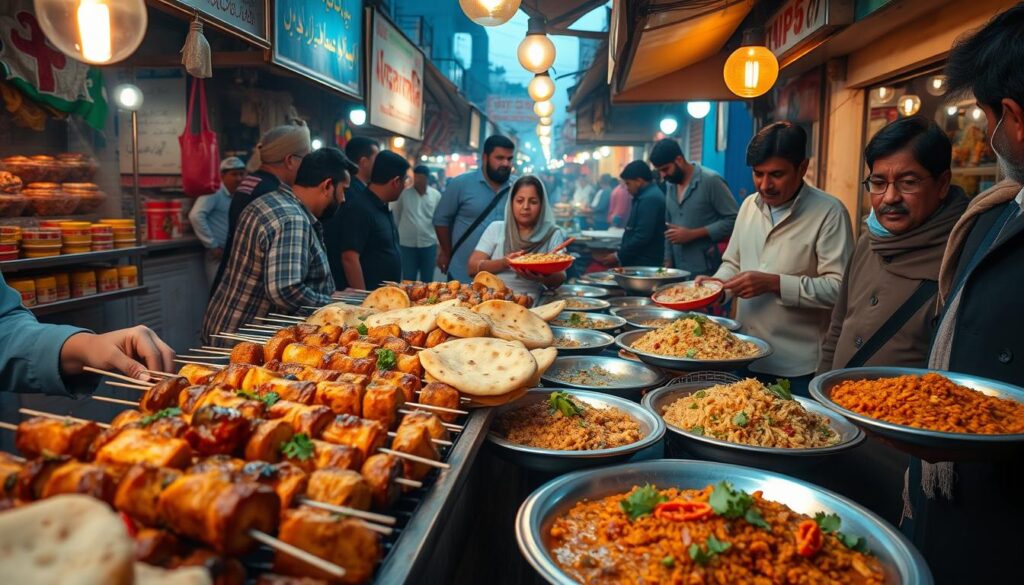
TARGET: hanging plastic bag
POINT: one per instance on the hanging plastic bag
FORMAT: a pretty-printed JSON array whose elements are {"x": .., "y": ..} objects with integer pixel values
[
  {"x": 200, "y": 156},
  {"x": 195, "y": 55}
]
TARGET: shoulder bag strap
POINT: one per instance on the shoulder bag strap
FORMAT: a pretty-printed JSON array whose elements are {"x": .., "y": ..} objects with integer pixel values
[
  {"x": 925, "y": 291},
  {"x": 476, "y": 223}
]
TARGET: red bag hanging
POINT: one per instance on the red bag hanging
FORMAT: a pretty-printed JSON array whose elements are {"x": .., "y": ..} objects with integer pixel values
[{"x": 200, "y": 156}]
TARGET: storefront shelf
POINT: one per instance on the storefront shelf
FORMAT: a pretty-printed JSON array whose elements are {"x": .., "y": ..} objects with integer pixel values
[
  {"x": 97, "y": 299},
  {"x": 9, "y": 266}
]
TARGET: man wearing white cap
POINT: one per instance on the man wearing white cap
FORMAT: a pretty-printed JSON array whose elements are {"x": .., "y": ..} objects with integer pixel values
[{"x": 209, "y": 214}]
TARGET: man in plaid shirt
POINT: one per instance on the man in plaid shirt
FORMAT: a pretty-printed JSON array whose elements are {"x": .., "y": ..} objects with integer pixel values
[{"x": 278, "y": 262}]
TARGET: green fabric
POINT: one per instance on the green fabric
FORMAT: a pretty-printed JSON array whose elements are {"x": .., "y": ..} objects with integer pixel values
[{"x": 92, "y": 108}]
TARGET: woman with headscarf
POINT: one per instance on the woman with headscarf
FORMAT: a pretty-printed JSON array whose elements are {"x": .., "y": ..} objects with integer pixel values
[{"x": 529, "y": 227}]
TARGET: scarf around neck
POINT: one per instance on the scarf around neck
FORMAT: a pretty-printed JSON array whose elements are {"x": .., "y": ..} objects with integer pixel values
[{"x": 542, "y": 231}]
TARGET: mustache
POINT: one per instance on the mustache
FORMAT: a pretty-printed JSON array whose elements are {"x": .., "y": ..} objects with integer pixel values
[{"x": 898, "y": 208}]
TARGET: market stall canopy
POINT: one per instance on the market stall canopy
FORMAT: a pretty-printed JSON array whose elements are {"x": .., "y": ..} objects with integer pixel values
[{"x": 560, "y": 13}]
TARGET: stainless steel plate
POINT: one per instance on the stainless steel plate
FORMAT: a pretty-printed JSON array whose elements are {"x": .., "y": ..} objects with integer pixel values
[
  {"x": 603, "y": 278},
  {"x": 588, "y": 304},
  {"x": 929, "y": 445},
  {"x": 625, "y": 341},
  {"x": 602, "y": 322},
  {"x": 902, "y": 563},
  {"x": 773, "y": 458},
  {"x": 555, "y": 461},
  {"x": 581, "y": 290},
  {"x": 591, "y": 341},
  {"x": 635, "y": 317},
  {"x": 619, "y": 302},
  {"x": 628, "y": 377},
  {"x": 644, "y": 279}
]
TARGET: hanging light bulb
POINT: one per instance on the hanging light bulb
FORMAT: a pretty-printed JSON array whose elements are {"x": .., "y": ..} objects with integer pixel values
[
  {"x": 541, "y": 87},
  {"x": 357, "y": 116},
  {"x": 909, "y": 104},
  {"x": 545, "y": 121},
  {"x": 605, "y": 150},
  {"x": 668, "y": 125},
  {"x": 317, "y": 144},
  {"x": 93, "y": 31},
  {"x": 536, "y": 52},
  {"x": 952, "y": 111},
  {"x": 752, "y": 69},
  {"x": 884, "y": 94},
  {"x": 698, "y": 110},
  {"x": 128, "y": 97},
  {"x": 977, "y": 113},
  {"x": 398, "y": 142},
  {"x": 937, "y": 85},
  {"x": 544, "y": 109},
  {"x": 543, "y": 130},
  {"x": 545, "y": 140},
  {"x": 490, "y": 12}
]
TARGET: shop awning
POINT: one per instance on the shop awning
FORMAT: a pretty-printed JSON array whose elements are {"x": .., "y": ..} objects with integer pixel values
[
  {"x": 447, "y": 113},
  {"x": 560, "y": 13}
]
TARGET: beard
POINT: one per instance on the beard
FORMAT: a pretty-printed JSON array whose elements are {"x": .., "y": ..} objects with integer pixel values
[
  {"x": 328, "y": 213},
  {"x": 498, "y": 175},
  {"x": 1014, "y": 169},
  {"x": 677, "y": 177}
]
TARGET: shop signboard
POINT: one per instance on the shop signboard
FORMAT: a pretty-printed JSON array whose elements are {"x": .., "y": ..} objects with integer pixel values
[
  {"x": 248, "y": 17},
  {"x": 161, "y": 120},
  {"x": 800, "y": 21},
  {"x": 322, "y": 40},
  {"x": 396, "y": 81}
]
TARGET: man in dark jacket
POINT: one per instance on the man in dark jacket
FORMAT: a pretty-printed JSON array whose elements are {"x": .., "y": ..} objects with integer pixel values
[
  {"x": 979, "y": 330},
  {"x": 643, "y": 242}
]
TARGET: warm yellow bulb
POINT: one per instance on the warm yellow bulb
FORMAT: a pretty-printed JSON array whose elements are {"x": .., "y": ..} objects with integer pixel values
[
  {"x": 909, "y": 104},
  {"x": 751, "y": 71},
  {"x": 545, "y": 121},
  {"x": 541, "y": 87},
  {"x": 544, "y": 109},
  {"x": 93, "y": 31},
  {"x": 536, "y": 53},
  {"x": 490, "y": 12},
  {"x": 545, "y": 140},
  {"x": 398, "y": 142},
  {"x": 543, "y": 130}
]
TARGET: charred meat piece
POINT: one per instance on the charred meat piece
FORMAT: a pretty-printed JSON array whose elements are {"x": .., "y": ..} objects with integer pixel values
[
  {"x": 41, "y": 436},
  {"x": 217, "y": 430},
  {"x": 258, "y": 375},
  {"x": 408, "y": 383},
  {"x": 435, "y": 338},
  {"x": 383, "y": 331},
  {"x": 75, "y": 477},
  {"x": 223, "y": 570},
  {"x": 232, "y": 376},
  {"x": 34, "y": 475},
  {"x": 381, "y": 403},
  {"x": 247, "y": 352},
  {"x": 415, "y": 440},
  {"x": 340, "y": 397},
  {"x": 409, "y": 364},
  {"x": 132, "y": 446},
  {"x": 163, "y": 394},
  {"x": 138, "y": 492},
  {"x": 287, "y": 480},
  {"x": 340, "y": 487},
  {"x": 195, "y": 397},
  {"x": 300, "y": 353},
  {"x": 380, "y": 472},
  {"x": 415, "y": 338},
  {"x": 293, "y": 390},
  {"x": 266, "y": 440},
  {"x": 306, "y": 373},
  {"x": 10, "y": 466},
  {"x": 274, "y": 348},
  {"x": 156, "y": 547},
  {"x": 304, "y": 418},
  {"x": 346, "y": 542},
  {"x": 439, "y": 394},
  {"x": 363, "y": 349},
  {"x": 196, "y": 374},
  {"x": 337, "y": 360},
  {"x": 365, "y": 435},
  {"x": 431, "y": 421}
]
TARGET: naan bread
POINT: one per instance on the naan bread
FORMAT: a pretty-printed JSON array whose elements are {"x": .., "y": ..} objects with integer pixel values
[
  {"x": 544, "y": 358},
  {"x": 462, "y": 322},
  {"x": 419, "y": 318},
  {"x": 514, "y": 322},
  {"x": 150, "y": 575},
  {"x": 480, "y": 366},
  {"x": 341, "y": 314},
  {"x": 489, "y": 280},
  {"x": 387, "y": 298},
  {"x": 549, "y": 311}
]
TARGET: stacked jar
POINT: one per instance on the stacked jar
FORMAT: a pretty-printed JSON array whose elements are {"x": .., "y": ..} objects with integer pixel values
[
  {"x": 10, "y": 242},
  {"x": 63, "y": 280},
  {"x": 128, "y": 276},
  {"x": 83, "y": 283},
  {"x": 77, "y": 237},
  {"x": 124, "y": 231},
  {"x": 46, "y": 289},
  {"x": 41, "y": 242},
  {"x": 102, "y": 237},
  {"x": 26, "y": 287},
  {"x": 106, "y": 280}
]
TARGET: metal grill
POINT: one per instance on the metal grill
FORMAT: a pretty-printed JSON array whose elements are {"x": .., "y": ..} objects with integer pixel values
[{"x": 706, "y": 376}]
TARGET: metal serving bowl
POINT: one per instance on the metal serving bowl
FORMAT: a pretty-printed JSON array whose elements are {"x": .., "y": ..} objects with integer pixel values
[
  {"x": 604, "y": 278},
  {"x": 581, "y": 290},
  {"x": 588, "y": 304},
  {"x": 608, "y": 323},
  {"x": 622, "y": 302},
  {"x": 625, "y": 341},
  {"x": 923, "y": 443},
  {"x": 773, "y": 458},
  {"x": 902, "y": 563},
  {"x": 591, "y": 341},
  {"x": 635, "y": 316},
  {"x": 644, "y": 279},
  {"x": 632, "y": 377},
  {"x": 555, "y": 461}
]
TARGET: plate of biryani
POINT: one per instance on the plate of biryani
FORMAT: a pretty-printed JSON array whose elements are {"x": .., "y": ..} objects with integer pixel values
[
  {"x": 542, "y": 263},
  {"x": 688, "y": 295},
  {"x": 750, "y": 423},
  {"x": 574, "y": 303},
  {"x": 583, "y": 320},
  {"x": 938, "y": 416},
  {"x": 572, "y": 341},
  {"x": 558, "y": 430},
  {"x": 654, "y": 317},
  {"x": 693, "y": 342},
  {"x": 602, "y": 374},
  {"x": 680, "y": 521}
]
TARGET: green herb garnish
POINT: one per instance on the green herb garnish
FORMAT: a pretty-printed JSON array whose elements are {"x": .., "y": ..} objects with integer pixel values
[
  {"x": 697, "y": 430},
  {"x": 830, "y": 523},
  {"x": 700, "y": 394},
  {"x": 669, "y": 561},
  {"x": 701, "y": 321},
  {"x": 693, "y": 406},
  {"x": 781, "y": 389},
  {"x": 362, "y": 329},
  {"x": 733, "y": 503},
  {"x": 269, "y": 398},
  {"x": 692, "y": 352},
  {"x": 300, "y": 447},
  {"x": 740, "y": 419},
  {"x": 753, "y": 516},
  {"x": 431, "y": 300},
  {"x": 562, "y": 402},
  {"x": 641, "y": 502},
  {"x": 575, "y": 320},
  {"x": 386, "y": 359},
  {"x": 714, "y": 546},
  {"x": 661, "y": 270},
  {"x": 165, "y": 413}
]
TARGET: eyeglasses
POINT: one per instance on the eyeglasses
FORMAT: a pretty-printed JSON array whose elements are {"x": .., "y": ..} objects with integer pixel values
[{"x": 878, "y": 186}]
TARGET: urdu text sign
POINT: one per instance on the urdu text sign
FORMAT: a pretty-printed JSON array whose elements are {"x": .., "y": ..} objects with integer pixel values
[{"x": 321, "y": 39}]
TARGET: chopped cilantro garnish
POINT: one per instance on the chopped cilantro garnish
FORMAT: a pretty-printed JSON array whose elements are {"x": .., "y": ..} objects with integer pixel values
[
  {"x": 362, "y": 329},
  {"x": 830, "y": 523},
  {"x": 733, "y": 503},
  {"x": 697, "y": 430},
  {"x": 386, "y": 359},
  {"x": 561, "y": 402},
  {"x": 641, "y": 502},
  {"x": 269, "y": 398},
  {"x": 165, "y": 413},
  {"x": 781, "y": 389},
  {"x": 669, "y": 561},
  {"x": 714, "y": 546},
  {"x": 300, "y": 447},
  {"x": 692, "y": 352},
  {"x": 740, "y": 419}
]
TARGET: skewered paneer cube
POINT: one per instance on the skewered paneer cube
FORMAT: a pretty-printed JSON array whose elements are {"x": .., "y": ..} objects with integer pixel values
[
  {"x": 132, "y": 446},
  {"x": 156, "y": 547},
  {"x": 127, "y": 417},
  {"x": 333, "y": 332},
  {"x": 216, "y": 430},
  {"x": 340, "y": 487},
  {"x": 319, "y": 339},
  {"x": 440, "y": 394},
  {"x": 138, "y": 492},
  {"x": 220, "y": 463},
  {"x": 415, "y": 440},
  {"x": 340, "y": 397},
  {"x": 195, "y": 397},
  {"x": 321, "y": 455},
  {"x": 247, "y": 352},
  {"x": 396, "y": 344},
  {"x": 232, "y": 376},
  {"x": 163, "y": 394},
  {"x": 267, "y": 438},
  {"x": 365, "y": 435},
  {"x": 287, "y": 480},
  {"x": 274, "y": 348},
  {"x": 346, "y": 542},
  {"x": 362, "y": 349},
  {"x": 348, "y": 336},
  {"x": 304, "y": 418},
  {"x": 415, "y": 338},
  {"x": 435, "y": 338},
  {"x": 258, "y": 375},
  {"x": 34, "y": 475},
  {"x": 429, "y": 420},
  {"x": 308, "y": 373},
  {"x": 40, "y": 436},
  {"x": 212, "y": 508},
  {"x": 293, "y": 390},
  {"x": 196, "y": 374},
  {"x": 358, "y": 379},
  {"x": 380, "y": 472},
  {"x": 382, "y": 402},
  {"x": 408, "y": 383},
  {"x": 383, "y": 331},
  {"x": 338, "y": 360},
  {"x": 10, "y": 466},
  {"x": 300, "y": 353},
  {"x": 409, "y": 364},
  {"x": 75, "y": 477}
]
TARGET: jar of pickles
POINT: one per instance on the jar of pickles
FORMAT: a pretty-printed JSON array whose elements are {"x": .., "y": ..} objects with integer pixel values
[
  {"x": 63, "y": 285},
  {"x": 106, "y": 279},
  {"x": 26, "y": 287},
  {"x": 46, "y": 289},
  {"x": 128, "y": 276},
  {"x": 83, "y": 283}
]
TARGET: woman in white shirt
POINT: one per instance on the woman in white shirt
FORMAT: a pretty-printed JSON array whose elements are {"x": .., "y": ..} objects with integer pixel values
[{"x": 529, "y": 227}]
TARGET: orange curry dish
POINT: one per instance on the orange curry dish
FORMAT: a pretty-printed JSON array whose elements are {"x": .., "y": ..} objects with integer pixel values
[
  {"x": 715, "y": 535},
  {"x": 931, "y": 402}
]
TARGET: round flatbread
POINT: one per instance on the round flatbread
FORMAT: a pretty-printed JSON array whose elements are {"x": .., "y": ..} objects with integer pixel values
[
  {"x": 419, "y": 318},
  {"x": 461, "y": 322},
  {"x": 478, "y": 401},
  {"x": 480, "y": 366},
  {"x": 514, "y": 322},
  {"x": 489, "y": 280},
  {"x": 65, "y": 539},
  {"x": 341, "y": 314},
  {"x": 387, "y": 298},
  {"x": 549, "y": 311},
  {"x": 544, "y": 358}
]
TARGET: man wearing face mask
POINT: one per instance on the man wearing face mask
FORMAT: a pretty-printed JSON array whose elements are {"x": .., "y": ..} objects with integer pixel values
[
  {"x": 279, "y": 263},
  {"x": 470, "y": 203},
  {"x": 699, "y": 210}
]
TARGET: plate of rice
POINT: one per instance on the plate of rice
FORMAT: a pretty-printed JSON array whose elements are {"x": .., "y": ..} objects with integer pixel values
[{"x": 694, "y": 342}]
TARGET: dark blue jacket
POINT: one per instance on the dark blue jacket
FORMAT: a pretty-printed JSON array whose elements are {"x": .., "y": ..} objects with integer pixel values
[{"x": 643, "y": 243}]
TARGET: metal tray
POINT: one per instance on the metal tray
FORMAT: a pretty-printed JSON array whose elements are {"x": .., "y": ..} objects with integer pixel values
[
  {"x": 929, "y": 445},
  {"x": 596, "y": 341},
  {"x": 607, "y": 323},
  {"x": 902, "y": 563},
  {"x": 634, "y": 376},
  {"x": 591, "y": 304},
  {"x": 555, "y": 461},
  {"x": 634, "y": 317},
  {"x": 644, "y": 279},
  {"x": 625, "y": 341},
  {"x": 621, "y": 302},
  {"x": 773, "y": 458},
  {"x": 581, "y": 290},
  {"x": 604, "y": 278}
]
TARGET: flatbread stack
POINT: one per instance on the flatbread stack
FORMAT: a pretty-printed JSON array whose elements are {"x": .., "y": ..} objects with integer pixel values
[
  {"x": 387, "y": 298},
  {"x": 514, "y": 322},
  {"x": 418, "y": 318},
  {"x": 341, "y": 314},
  {"x": 488, "y": 371},
  {"x": 550, "y": 311}
]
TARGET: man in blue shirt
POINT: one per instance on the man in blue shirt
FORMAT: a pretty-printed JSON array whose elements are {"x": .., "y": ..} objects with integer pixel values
[
  {"x": 49, "y": 359},
  {"x": 643, "y": 242},
  {"x": 209, "y": 214},
  {"x": 470, "y": 203}
]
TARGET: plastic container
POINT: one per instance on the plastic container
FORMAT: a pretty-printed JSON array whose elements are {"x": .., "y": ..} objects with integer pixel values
[
  {"x": 76, "y": 249},
  {"x": 102, "y": 229},
  {"x": 90, "y": 198},
  {"x": 106, "y": 279},
  {"x": 48, "y": 199},
  {"x": 9, "y": 251},
  {"x": 63, "y": 285},
  {"x": 42, "y": 234},
  {"x": 162, "y": 220},
  {"x": 76, "y": 233},
  {"x": 27, "y": 288},
  {"x": 10, "y": 234},
  {"x": 83, "y": 283},
  {"x": 128, "y": 276},
  {"x": 46, "y": 289},
  {"x": 51, "y": 223}
]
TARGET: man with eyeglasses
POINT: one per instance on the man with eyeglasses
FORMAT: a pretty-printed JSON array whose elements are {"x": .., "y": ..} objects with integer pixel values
[{"x": 884, "y": 313}]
